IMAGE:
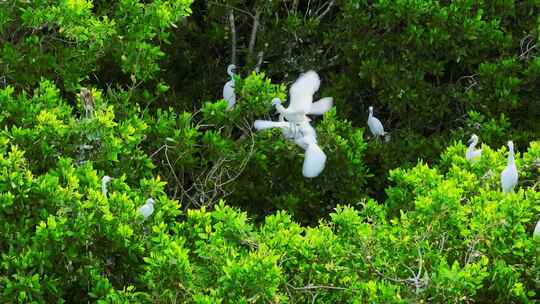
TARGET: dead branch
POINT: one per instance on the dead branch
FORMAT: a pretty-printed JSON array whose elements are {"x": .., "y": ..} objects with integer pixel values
[
  {"x": 254, "y": 29},
  {"x": 233, "y": 36}
]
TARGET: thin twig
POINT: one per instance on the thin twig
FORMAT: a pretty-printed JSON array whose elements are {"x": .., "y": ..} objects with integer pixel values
[{"x": 326, "y": 10}]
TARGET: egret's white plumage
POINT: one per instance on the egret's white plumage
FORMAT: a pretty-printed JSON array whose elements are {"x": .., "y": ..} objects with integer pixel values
[
  {"x": 304, "y": 135},
  {"x": 509, "y": 176},
  {"x": 294, "y": 123},
  {"x": 104, "y": 181},
  {"x": 147, "y": 209},
  {"x": 321, "y": 106},
  {"x": 374, "y": 124},
  {"x": 266, "y": 124},
  {"x": 536, "y": 232},
  {"x": 314, "y": 157},
  {"x": 472, "y": 153},
  {"x": 228, "y": 89},
  {"x": 301, "y": 99}
]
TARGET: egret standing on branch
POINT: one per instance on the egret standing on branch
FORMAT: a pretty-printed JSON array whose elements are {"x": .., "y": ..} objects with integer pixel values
[
  {"x": 147, "y": 209},
  {"x": 375, "y": 125},
  {"x": 509, "y": 176},
  {"x": 473, "y": 154},
  {"x": 228, "y": 89}
]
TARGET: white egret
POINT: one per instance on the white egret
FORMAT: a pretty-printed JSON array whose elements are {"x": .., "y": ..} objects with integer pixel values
[
  {"x": 104, "y": 181},
  {"x": 536, "y": 232},
  {"x": 374, "y": 124},
  {"x": 314, "y": 157},
  {"x": 472, "y": 154},
  {"x": 148, "y": 208},
  {"x": 228, "y": 89},
  {"x": 304, "y": 135},
  {"x": 301, "y": 99},
  {"x": 509, "y": 176}
]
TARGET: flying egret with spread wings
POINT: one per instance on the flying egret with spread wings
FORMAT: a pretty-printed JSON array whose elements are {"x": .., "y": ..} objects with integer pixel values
[
  {"x": 304, "y": 135},
  {"x": 228, "y": 89},
  {"x": 301, "y": 99}
]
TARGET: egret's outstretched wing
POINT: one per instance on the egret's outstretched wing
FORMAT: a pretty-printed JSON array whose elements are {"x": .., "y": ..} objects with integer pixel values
[
  {"x": 314, "y": 161},
  {"x": 301, "y": 92},
  {"x": 266, "y": 124},
  {"x": 321, "y": 106}
]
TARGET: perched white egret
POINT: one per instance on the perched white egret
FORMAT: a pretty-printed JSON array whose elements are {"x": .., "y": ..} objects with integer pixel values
[
  {"x": 509, "y": 176},
  {"x": 228, "y": 89},
  {"x": 104, "y": 181},
  {"x": 304, "y": 135},
  {"x": 536, "y": 232},
  {"x": 374, "y": 124},
  {"x": 301, "y": 99},
  {"x": 472, "y": 154},
  {"x": 147, "y": 209}
]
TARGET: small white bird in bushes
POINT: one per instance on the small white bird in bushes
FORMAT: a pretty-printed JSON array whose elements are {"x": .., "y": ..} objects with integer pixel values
[
  {"x": 301, "y": 99},
  {"x": 104, "y": 181},
  {"x": 147, "y": 209},
  {"x": 375, "y": 125},
  {"x": 228, "y": 89},
  {"x": 472, "y": 153},
  {"x": 509, "y": 176}
]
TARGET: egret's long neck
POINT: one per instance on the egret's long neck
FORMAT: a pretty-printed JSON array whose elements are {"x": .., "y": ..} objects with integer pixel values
[
  {"x": 511, "y": 160},
  {"x": 473, "y": 144},
  {"x": 370, "y": 113},
  {"x": 230, "y": 72},
  {"x": 280, "y": 108}
]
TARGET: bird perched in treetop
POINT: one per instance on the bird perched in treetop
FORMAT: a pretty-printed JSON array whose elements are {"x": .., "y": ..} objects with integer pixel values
[
  {"x": 509, "y": 176},
  {"x": 228, "y": 89},
  {"x": 148, "y": 208},
  {"x": 472, "y": 154},
  {"x": 104, "y": 181},
  {"x": 375, "y": 125}
]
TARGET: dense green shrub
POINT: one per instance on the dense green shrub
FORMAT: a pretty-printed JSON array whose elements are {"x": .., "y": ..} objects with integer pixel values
[
  {"x": 456, "y": 238},
  {"x": 131, "y": 89}
]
